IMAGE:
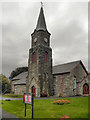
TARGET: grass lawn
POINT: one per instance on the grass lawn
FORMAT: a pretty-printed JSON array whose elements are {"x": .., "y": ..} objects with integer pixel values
[
  {"x": 12, "y": 96},
  {"x": 78, "y": 108}
]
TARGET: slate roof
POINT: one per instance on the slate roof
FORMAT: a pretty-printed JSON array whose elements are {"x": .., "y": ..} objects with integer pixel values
[
  {"x": 41, "y": 24},
  {"x": 58, "y": 69},
  {"x": 64, "y": 68},
  {"x": 21, "y": 78}
]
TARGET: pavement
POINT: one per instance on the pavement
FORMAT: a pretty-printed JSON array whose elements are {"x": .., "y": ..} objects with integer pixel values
[{"x": 6, "y": 115}]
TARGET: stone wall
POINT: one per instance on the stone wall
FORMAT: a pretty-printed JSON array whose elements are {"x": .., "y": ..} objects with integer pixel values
[
  {"x": 20, "y": 89},
  {"x": 41, "y": 78},
  {"x": 78, "y": 72},
  {"x": 12, "y": 85},
  {"x": 63, "y": 85},
  {"x": 39, "y": 71},
  {"x": 66, "y": 84},
  {"x": 40, "y": 35},
  {"x": 57, "y": 85}
]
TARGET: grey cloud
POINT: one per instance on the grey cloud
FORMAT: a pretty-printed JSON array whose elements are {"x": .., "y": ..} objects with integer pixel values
[{"x": 70, "y": 44}]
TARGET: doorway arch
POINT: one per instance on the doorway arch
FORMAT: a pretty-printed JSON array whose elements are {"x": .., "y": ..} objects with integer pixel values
[
  {"x": 85, "y": 88},
  {"x": 33, "y": 90}
]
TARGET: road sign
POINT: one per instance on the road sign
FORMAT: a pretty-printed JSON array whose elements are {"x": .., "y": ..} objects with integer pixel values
[{"x": 28, "y": 99}]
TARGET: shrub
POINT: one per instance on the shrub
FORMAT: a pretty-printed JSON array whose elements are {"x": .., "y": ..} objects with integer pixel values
[
  {"x": 44, "y": 95},
  {"x": 61, "y": 102}
]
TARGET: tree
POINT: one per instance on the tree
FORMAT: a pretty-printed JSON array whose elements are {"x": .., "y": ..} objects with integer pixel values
[
  {"x": 5, "y": 84},
  {"x": 17, "y": 71}
]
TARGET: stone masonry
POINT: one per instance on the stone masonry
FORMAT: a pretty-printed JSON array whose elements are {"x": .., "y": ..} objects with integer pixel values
[{"x": 40, "y": 71}]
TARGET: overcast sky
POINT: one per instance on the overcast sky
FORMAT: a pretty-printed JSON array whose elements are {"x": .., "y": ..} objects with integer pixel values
[{"x": 66, "y": 21}]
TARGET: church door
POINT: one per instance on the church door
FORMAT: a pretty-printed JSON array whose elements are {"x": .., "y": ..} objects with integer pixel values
[
  {"x": 33, "y": 90},
  {"x": 85, "y": 88}
]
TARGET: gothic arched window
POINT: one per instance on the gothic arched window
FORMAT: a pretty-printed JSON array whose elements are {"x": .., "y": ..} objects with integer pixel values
[
  {"x": 46, "y": 57},
  {"x": 34, "y": 57},
  {"x": 74, "y": 83}
]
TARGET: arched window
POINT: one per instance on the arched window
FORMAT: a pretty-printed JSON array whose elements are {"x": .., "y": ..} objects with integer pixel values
[
  {"x": 33, "y": 90},
  {"x": 85, "y": 88},
  {"x": 74, "y": 82},
  {"x": 46, "y": 57},
  {"x": 34, "y": 57}
]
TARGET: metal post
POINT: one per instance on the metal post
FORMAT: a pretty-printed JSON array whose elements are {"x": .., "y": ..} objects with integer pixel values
[
  {"x": 25, "y": 110},
  {"x": 32, "y": 106}
]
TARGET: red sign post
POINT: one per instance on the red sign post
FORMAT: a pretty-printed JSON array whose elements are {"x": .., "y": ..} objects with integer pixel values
[{"x": 28, "y": 99}]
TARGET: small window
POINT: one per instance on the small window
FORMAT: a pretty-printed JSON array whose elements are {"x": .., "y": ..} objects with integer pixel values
[
  {"x": 74, "y": 83},
  {"x": 34, "y": 57},
  {"x": 46, "y": 57}
]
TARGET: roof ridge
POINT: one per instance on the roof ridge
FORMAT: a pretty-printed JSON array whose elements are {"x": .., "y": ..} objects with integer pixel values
[{"x": 67, "y": 63}]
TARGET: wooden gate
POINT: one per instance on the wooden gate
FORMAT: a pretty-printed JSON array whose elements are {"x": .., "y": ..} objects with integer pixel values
[
  {"x": 33, "y": 90},
  {"x": 85, "y": 88}
]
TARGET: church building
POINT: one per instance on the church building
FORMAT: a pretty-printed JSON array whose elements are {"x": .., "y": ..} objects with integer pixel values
[{"x": 44, "y": 79}]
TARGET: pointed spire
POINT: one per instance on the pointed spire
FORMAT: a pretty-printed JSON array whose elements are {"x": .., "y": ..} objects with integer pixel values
[{"x": 41, "y": 24}]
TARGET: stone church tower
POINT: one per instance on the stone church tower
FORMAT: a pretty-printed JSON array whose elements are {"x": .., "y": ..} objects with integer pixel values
[{"x": 40, "y": 79}]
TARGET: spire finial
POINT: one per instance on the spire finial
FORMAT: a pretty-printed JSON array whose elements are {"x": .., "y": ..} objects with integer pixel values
[
  {"x": 41, "y": 24},
  {"x": 41, "y": 4}
]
